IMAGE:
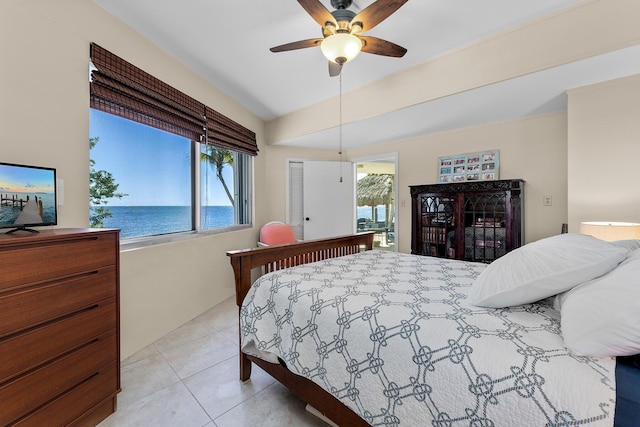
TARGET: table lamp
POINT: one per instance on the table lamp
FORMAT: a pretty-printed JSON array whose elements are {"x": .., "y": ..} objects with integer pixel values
[{"x": 611, "y": 231}]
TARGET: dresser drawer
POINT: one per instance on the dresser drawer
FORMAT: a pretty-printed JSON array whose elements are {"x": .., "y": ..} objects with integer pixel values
[
  {"x": 37, "y": 261},
  {"x": 77, "y": 401},
  {"x": 34, "y": 305},
  {"x": 22, "y": 352},
  {"x": 34, "y": 389}
]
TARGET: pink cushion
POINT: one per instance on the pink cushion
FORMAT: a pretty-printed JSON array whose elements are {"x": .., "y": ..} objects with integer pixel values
[{"x": 275, "y": 234}]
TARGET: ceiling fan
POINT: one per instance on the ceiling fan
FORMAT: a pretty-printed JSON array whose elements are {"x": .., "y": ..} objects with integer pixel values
[{"x": 342, "y": 28}]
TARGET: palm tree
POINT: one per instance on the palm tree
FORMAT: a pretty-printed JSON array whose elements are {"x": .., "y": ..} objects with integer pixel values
[{"x": 218, "y": 158}]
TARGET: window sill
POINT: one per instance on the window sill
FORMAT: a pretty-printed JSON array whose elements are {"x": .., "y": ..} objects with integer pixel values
[{"x": 143, "y": 242}]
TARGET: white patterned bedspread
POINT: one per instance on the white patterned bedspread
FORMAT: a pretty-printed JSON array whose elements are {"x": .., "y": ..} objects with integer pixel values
[{"x": 392, "y": 336}]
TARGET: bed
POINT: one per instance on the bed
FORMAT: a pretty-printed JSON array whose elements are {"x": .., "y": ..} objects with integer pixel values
[{"x": 394, "y": 341}]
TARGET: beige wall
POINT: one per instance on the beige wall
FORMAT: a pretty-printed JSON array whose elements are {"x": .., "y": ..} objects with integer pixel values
[
  {"x": 534, "y": 149},
  {"x": 44, "y": 113},
  {"x": 604, "y": 148}
]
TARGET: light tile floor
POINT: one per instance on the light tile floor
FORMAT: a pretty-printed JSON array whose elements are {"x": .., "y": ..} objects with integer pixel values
[{"x": 190, "y": 378}]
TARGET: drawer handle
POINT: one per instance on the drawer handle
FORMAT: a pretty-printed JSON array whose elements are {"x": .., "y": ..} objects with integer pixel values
[{"x": 49, "y": 322}]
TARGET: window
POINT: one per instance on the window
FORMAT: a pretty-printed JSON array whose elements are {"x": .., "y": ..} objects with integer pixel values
[
  {"x": 161, "y": 161},
  {"x": 151, "y": 173},
  {"x": 224, "y": 188}
]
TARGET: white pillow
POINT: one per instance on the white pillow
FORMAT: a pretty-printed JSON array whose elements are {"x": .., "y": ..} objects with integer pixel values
[
  {"x": 544, "y": 268},
  {"x": 602, "y": 317},
  {"x": 631, "y": 244}
]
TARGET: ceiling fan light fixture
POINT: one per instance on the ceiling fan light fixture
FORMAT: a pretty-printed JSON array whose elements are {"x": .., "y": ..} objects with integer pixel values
[
  {"x": 341, "y": 47},
  {"x": 356, "y": 28}
]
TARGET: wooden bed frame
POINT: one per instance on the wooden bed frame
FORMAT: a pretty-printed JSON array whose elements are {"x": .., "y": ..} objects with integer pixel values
[{"x": 277, "y": 257}]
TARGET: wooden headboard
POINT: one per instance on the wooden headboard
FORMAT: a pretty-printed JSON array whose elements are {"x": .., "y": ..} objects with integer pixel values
[{"x": 277, "y": 257}]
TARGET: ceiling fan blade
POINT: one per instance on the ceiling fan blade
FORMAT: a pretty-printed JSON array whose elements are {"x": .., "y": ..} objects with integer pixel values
[
  {"x": 377, "y": 12},
  {"x": 301, "y": 44},
  {"x": 382, "y": 47},
  {"x": 318, "y": 12},
  {"x": 334, "y": 69}
]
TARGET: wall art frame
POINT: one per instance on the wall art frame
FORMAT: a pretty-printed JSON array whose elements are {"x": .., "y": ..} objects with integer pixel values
[{"x": 477, "y": 166}]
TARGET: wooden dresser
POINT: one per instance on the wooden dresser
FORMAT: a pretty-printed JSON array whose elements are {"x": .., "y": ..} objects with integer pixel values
[{"x": 59, "y": 327}]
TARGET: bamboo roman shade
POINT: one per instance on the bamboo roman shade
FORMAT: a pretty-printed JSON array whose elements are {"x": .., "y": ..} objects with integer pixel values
[
  {"x": 122, "y": 89},
  {"x": 224, "y": 132}
]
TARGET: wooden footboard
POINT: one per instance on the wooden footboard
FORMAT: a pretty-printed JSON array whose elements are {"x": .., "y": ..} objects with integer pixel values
[{"x": 277, "y": 257}]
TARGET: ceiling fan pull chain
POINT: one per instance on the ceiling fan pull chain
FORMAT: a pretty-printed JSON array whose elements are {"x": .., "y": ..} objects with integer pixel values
[{"x": 340, "y": 129}]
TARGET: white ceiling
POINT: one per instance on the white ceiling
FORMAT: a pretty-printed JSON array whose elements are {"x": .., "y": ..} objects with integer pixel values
[{"x": 227, "y": 42}]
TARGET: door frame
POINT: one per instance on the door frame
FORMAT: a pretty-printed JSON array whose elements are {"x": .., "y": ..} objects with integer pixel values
[
  {"x": 386, "y": 158},
  {"x": 288, "y": 162}
]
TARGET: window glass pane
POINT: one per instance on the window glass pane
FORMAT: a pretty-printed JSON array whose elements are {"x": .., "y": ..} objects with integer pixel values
[
  {"x": 243, "y": 166},
  {"x": 141, "y": 178},
  {"x": 219, "y": 172}
]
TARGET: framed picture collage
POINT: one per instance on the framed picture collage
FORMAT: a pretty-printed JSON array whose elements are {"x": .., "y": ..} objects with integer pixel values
[{"x": 481, "y": 166}]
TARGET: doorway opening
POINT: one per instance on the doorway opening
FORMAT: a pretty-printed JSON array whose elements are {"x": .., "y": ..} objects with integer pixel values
[{"x": 376, "y": 199}]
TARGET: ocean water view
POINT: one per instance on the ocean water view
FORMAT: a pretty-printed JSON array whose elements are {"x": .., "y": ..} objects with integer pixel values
[
  {"x": 367, "y": 212},
  {"x": 136, "y": 221}
]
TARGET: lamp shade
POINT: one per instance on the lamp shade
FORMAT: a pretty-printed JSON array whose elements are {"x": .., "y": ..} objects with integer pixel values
[
  {"x": 611, "y": 231},
  {"x": 341, "y": 47}
]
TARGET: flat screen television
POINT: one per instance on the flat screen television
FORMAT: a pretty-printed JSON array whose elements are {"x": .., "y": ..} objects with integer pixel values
[{"x": 27, "y": 197}]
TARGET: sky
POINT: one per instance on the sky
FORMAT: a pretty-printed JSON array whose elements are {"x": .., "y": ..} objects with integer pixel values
[
  {"x": 26, "y": 180},
  {"x": 152, "y": 166}
]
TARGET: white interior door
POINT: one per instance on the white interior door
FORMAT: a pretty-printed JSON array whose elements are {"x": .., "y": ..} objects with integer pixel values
[{"x": 328, "y": 199}]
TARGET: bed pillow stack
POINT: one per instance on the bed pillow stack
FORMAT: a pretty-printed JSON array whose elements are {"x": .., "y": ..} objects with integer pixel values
[
  {"x": 602, "y": 317},
  {"x": 544, "y": 268},
  {"x": 597, "y": 283},
  {"x": 630, "y": 245}
]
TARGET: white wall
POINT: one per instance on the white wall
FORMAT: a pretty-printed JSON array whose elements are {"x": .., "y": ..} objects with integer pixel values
[
  {"x": 604, "y": 148},
  {"x": 44, "y": 120}
]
